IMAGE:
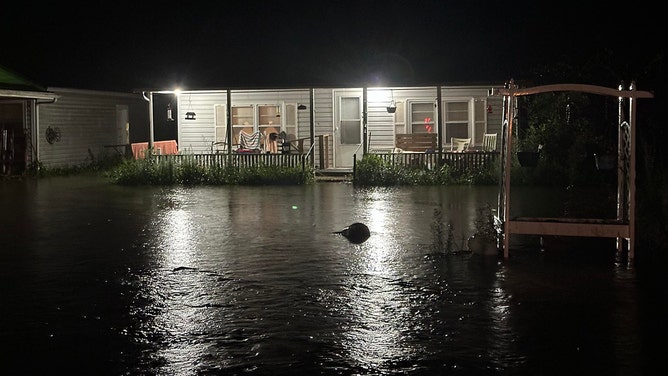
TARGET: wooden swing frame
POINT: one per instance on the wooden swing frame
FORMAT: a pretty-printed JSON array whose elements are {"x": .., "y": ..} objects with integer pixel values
[{"x": 623, "y": 226}]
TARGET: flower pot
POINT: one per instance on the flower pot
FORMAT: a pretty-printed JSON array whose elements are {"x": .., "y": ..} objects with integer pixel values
[
  {"x": 482, "y": 246},
  {"x": 528, "y": 158}
]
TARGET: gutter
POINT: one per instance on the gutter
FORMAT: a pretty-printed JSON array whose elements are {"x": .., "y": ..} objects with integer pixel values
[
  {"x": 35, "y": 116},
  {"x": 29, "y": 95}
]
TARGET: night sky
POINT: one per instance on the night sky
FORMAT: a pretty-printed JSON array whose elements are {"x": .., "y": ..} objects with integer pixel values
[{"x": 126, "y": 46}]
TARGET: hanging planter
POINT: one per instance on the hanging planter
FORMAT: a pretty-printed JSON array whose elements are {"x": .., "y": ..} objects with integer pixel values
[
  {"x": 529, "y": 158},
  {"x": 605, "y": 161},
  {"x": 392, "y": 107}
]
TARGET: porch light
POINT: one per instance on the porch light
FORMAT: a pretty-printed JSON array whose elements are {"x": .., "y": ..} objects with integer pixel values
[
  {"x": 169, "y": 112},
  {"x": 301, "y": 107},
  {"x": 190, "y": 116}
]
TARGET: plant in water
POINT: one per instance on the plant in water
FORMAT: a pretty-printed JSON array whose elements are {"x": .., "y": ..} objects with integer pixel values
[
  {"x": 485, "y": 238},
  {"x": 442, "y": 241}
]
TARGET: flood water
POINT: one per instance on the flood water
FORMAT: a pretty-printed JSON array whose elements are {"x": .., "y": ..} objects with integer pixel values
[{"x": 99, "y": 279}]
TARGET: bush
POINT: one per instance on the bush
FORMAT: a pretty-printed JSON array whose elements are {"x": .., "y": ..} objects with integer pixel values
[
  {"x": 149, "y": 171},
  {"x": 373, "y": 170}
]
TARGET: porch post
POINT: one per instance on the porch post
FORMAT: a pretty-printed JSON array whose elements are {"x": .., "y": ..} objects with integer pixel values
[
  {"x": 150, "y": 120},
  {"x": 632, "y": 175},
  {"x": 509, "y": 117},
  {"x": 365, "y": 146},
  {"x": 439, "y": 123},
  {"x": 311, "y": 124},
  {"x": 228, "y": 120}
]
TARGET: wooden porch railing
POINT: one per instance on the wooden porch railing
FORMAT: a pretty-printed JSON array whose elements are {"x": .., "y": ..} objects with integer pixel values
[
  {"x": 458, "y": 161},
  {"x": 237, "y": 159}
]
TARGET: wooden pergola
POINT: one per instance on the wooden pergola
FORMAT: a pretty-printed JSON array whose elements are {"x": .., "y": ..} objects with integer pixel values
[{"x": 623, "y": 226}]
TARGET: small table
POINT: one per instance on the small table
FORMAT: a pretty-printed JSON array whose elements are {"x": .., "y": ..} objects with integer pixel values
[{"x": 122, "y": 149}]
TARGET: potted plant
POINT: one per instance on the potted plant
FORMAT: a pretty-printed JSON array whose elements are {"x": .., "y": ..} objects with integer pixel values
[
  {"x": 529, "y": 156},
  {"x": 529, "y": 145},
  {"x": 484, "y": 240}
]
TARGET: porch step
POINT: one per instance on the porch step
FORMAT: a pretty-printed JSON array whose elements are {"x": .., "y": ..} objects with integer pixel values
[{"x": 334, "y": 174}]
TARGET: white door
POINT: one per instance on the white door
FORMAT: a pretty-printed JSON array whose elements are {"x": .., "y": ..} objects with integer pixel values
[{"x": 348, "y": 130}]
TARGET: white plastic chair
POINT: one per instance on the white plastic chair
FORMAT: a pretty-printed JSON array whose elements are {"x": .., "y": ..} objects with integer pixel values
[{"x": 489, "y": 142}]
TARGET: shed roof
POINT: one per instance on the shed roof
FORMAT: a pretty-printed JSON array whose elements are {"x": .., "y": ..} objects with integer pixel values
[{"x": 12, "y": 85}]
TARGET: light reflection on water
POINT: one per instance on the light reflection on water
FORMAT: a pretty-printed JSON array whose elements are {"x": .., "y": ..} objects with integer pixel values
[{"x": 251, "y": 280}]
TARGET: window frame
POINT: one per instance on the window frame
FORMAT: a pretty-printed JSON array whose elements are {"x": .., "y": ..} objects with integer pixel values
[
  {"x": 413, "y": 123},
  {"x": 476, "y": 123}
]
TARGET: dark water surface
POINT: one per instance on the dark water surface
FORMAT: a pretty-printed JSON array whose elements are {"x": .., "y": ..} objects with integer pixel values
[{"x": 99, "y": 279}]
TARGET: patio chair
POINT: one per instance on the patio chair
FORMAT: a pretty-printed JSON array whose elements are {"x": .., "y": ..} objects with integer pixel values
[
  {"x": 489, "y": 142},
  {"x": 283, "y": 142},
  {"x": 459, "y": 144},
  {"x": 271, "y": 140}
]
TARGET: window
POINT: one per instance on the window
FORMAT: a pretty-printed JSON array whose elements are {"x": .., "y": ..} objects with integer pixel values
[
  {"x": 242, "y": 117},
  {"x": 270, "y": 119},
  {"x": 465, "y": 118},
  {"x": 351, "y": 122},
  {"x": 456, "y": 119},
  {"x": 422, "y": 117},
  {"x": 258, "y": 117}
]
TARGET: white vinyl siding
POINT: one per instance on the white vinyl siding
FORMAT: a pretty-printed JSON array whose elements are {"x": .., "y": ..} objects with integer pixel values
[
  {"x": 86, "y": 121},
  {"x": 220, "y": 128},
  {"x": 479, "y": 120}
]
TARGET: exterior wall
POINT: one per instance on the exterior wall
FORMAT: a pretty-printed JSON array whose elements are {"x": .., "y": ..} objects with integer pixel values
[
  {"x": 381, "y": 127},
  {"x": 495, "y": 118},
  {"x": 196, "y": 136},
  {"x": 323, "y": 101},
  {"x": 86, "y": 121}
]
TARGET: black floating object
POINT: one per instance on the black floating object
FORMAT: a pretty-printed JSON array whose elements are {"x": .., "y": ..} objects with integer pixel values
[{"x": 356, "y": 233}]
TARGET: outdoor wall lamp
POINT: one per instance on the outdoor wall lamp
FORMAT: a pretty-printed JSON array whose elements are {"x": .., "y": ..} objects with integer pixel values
[
  {"x": 190, "y": 116},
  {"x": 301, "y": 107},
  {"x": 169, "y": 112}
]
